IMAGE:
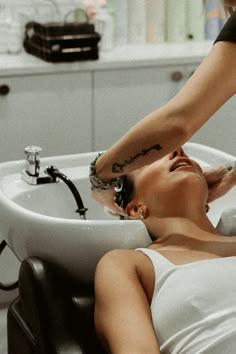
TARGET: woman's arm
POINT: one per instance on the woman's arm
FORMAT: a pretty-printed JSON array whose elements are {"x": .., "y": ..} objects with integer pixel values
[
  {"x": 167, "y": 128},
  {"x": 122, "y": 312}
]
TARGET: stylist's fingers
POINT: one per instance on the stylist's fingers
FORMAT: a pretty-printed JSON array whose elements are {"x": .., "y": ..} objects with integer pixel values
[
  {"x": 214, "y": 174},
  {"x": 216, "y": 191},
  {"x": 220, "y": 188}
]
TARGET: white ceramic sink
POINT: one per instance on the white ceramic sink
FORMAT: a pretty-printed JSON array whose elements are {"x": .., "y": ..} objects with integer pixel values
[{"x": 41, "y": 220}]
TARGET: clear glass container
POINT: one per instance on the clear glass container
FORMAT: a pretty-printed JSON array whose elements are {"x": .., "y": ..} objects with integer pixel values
[{"x": 11, "y": 32}]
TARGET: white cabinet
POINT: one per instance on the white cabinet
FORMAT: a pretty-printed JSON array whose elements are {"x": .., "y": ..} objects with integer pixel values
[
  {"x": 52, "y": 111},
  {"x": 122, "y": 97},
  {"x": 89, "y": 108}
]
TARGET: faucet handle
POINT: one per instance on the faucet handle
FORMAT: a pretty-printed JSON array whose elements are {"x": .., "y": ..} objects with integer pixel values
[
  {"x": 32, "y": 150},
  {"x": 32, "y": 163}
]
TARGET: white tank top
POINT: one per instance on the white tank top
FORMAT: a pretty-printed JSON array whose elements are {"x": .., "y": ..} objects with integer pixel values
[{"x": 194, "y": 305}]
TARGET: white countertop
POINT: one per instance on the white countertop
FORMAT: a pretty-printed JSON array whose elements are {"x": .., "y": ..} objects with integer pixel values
[{"x": 121, "y": 57}]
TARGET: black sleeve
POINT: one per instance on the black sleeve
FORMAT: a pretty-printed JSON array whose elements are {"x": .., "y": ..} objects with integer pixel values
[{"x": 228, "y": 32}]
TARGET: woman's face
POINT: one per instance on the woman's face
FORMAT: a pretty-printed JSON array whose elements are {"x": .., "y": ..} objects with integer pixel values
[{"x": 172, "y": 182}]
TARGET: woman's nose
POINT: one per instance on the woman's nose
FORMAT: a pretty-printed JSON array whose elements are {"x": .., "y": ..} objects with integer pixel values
[{"x": 178, "y": 152}]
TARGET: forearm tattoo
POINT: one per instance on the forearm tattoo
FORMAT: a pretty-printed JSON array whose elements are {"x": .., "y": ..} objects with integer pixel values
[{"x": 119, "y": 168}]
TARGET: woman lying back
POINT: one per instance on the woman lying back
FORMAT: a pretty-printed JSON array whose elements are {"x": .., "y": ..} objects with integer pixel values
[{"x": 178, "y": 294}]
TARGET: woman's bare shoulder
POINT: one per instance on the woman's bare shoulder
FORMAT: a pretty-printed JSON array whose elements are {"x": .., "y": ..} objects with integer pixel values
[
  {"x": 120, "y": 264},
  {"x": 120, "y": 257},
  {"x": 120, "y": 261},
  {"x": 117, "y": 267}
]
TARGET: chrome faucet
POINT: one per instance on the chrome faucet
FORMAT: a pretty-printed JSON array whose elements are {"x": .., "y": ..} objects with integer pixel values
[
  {"x": 32, "y": 162},
  {"x": 31, "y": 173}
]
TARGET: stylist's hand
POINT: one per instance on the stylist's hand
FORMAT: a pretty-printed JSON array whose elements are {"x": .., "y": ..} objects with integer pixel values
[
  {"x": 106, "y": 199},
  {"x": 220, "y": 180}
]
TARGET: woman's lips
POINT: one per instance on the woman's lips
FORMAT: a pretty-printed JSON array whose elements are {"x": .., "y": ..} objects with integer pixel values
[
  {"x": 181, "y": 163},
  {"x": 184, "y": 167}
]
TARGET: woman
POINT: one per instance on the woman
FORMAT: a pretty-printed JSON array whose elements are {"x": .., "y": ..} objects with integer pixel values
[
  {"x": 167, "y": 128},
  {"x": 177, "y": 295}
]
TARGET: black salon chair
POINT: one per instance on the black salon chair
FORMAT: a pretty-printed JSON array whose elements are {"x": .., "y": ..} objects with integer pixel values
[{"x": 53, "y": 313}]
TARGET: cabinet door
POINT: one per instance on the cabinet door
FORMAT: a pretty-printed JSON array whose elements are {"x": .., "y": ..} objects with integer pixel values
[
  {"x": 123, "y": 97},
  {"x": 52, "y": 111}
]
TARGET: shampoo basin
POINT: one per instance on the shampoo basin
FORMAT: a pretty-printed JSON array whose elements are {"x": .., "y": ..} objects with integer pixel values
[{"x": 41, "y": 220}]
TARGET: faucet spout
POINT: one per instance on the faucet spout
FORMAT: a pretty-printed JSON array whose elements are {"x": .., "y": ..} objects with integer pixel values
[
  {"x": 32, "y": 162},
  {"x": 55, "y": 173}
]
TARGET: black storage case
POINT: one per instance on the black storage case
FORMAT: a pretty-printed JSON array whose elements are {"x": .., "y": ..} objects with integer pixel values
[{"x": 62, "y": 42}]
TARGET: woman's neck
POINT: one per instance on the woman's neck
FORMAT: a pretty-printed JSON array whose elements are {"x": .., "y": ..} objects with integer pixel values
[
  {"x": 178, "y": 234},
  {"x": 197, "y": 227}
]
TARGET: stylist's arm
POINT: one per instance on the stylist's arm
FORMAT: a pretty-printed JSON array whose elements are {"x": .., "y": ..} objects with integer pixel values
[
  {"x": 173, "y": 124},
  {"x": 169, "y": 127}
]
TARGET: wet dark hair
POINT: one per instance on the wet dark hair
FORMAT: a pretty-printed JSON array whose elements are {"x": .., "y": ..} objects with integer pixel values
[{"x": 124, "y": 193}]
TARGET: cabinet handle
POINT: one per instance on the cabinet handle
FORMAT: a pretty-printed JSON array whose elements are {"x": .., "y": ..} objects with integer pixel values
[
  {"x": 177, "y": 76},
  {"x": 4, "y": 90}
]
